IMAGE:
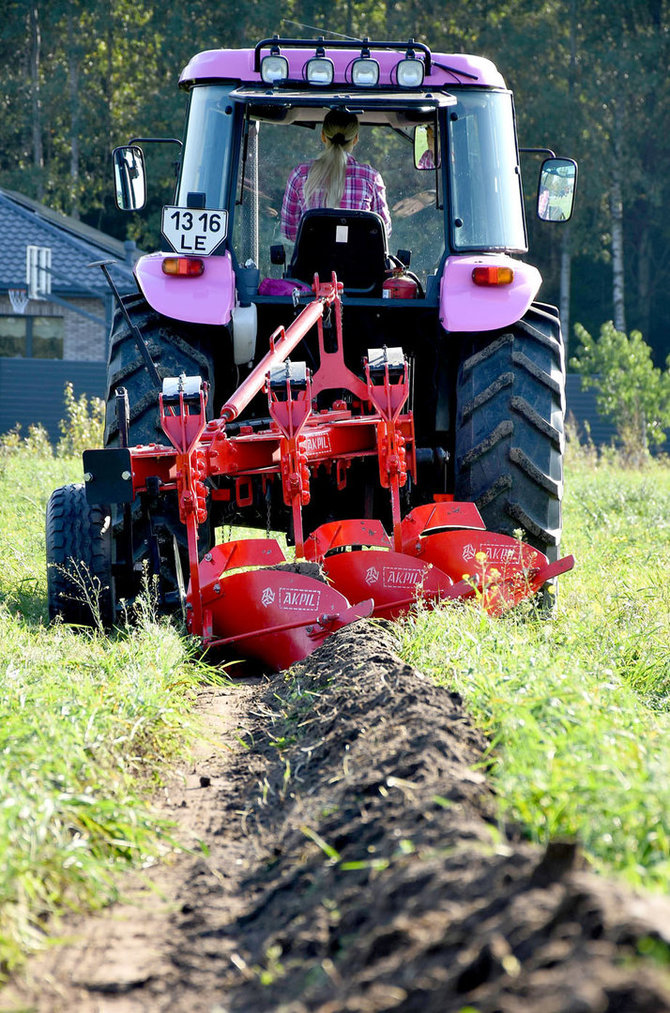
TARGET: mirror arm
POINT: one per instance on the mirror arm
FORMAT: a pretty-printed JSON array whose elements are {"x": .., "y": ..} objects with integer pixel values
[
  {"x": 537, "y": 151},
  {"x": 154, "y": 140}
]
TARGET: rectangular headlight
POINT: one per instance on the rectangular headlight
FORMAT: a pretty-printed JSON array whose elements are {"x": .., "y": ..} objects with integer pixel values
[
  {"x": 274, "y": 68},
  {"x": 320, "y": 70},
  {"x": 409, "y": 73},
  {"x": 365, "y": 72}
]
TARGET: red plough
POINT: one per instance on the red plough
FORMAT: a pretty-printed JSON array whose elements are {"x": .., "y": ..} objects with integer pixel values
[
  {"x": 276, "y": 615},
  {"x": 243, "y": 593}
]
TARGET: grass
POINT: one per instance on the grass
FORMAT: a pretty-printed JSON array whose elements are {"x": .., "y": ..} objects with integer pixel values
[
  {"x": 578, "y": 708},
  {"x": 86, "y": 725}
]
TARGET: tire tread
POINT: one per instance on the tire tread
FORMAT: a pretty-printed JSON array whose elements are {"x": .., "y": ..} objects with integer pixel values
[{"x": 78, "y": 536}]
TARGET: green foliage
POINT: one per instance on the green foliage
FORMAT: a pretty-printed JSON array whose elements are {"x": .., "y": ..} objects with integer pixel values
[
  {"x": 630, "y": 389},
  {"x": 578, "y": 708},
  {"x": 83, "y": 424},
  {"x": 36, "y": 443},
  {"x": 81, "y": 428},
  {"x": 84, "y": 722}
]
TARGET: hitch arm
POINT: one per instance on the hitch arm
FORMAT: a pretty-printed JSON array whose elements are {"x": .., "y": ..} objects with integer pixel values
[{"x": 282, "y": 343}]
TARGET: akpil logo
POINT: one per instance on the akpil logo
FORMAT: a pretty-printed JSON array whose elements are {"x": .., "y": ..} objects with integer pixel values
[
  {"x": 299, "y": 599},
  {"x": 502, "y": 553},
  {"x": 318, "y": 443},
  {"x": 397, "y": 577}
]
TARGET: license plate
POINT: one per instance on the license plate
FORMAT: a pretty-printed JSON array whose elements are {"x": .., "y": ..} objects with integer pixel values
[{"x": 194, "y": 230}]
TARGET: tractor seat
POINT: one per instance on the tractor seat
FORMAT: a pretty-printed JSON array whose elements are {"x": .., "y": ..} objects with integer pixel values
[{"x": 350, "y": 243}]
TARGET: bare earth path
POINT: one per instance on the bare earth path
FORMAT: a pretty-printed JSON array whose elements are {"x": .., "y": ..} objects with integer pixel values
[{"x": 352, "y": 863}]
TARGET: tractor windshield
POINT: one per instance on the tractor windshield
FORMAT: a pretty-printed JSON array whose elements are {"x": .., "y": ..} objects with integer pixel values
[{"x": 207, "y": 152}]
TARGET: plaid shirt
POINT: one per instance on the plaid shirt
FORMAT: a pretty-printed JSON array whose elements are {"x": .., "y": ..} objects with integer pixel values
[
  {"x": 364, "y": 190},
  {"x": 427, "y": 160}
]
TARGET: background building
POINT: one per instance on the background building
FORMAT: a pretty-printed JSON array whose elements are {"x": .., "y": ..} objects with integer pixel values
[{"x": 55, "y": 309}]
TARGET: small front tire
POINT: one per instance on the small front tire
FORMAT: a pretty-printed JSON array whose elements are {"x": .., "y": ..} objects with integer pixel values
[{"x": 80, "y": 585}]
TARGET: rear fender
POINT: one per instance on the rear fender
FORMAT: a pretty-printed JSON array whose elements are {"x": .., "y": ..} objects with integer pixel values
[
  {"x": 467, "y": 307},
  {"x": 204, "y": 299}
]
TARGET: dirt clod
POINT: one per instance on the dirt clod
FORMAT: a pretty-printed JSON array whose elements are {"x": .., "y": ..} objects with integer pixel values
[{"x": 354, "y": 863}]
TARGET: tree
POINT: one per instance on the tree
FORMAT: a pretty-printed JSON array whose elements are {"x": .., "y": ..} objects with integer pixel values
[
  {"x": 625, "y": 49},
  {"x": 630, "y": 389}
]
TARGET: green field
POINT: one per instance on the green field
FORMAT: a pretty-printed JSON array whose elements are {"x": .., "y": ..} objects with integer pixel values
[{"x": 576, "y": 707}]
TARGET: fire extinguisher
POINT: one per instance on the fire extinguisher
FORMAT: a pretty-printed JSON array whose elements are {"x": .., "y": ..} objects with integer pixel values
[{"x": 401, "y": 284}]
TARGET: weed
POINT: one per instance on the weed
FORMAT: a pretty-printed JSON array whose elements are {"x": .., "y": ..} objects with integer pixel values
[
  {"x": 273, "y": 969},
  {"x": 84, "y": 588},
  {"x": 580, "y": 450},
  {"x": 145, "y": 610},
  {"x": 82, "y": 426},
  {"x": 329, "y": 851}
]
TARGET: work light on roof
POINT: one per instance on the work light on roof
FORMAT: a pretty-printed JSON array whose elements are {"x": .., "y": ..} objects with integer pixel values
[
  {"x": 274, "y": 68},
  {"x": 365, "y": 72},
  {"x": 409, "y": 72},
  {"x": 320, "y": 70}
]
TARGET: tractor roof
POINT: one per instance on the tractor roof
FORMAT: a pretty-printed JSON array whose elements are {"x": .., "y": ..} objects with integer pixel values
[{"x": 244, "y": 65}]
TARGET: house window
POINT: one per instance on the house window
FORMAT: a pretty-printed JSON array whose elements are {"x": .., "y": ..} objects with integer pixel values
[{"x": 28, "y": 337}]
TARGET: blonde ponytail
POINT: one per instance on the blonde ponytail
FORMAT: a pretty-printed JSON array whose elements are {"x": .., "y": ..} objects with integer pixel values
[{"x": 324, "y": 185}]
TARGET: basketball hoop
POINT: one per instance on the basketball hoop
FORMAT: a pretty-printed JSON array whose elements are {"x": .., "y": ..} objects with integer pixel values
[{"x": 18, "y": 297}]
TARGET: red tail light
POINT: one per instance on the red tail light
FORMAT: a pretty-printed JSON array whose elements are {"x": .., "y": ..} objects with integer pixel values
[
  {"x": 184, "y": 267},
  {"x": 493, "y": 275}
]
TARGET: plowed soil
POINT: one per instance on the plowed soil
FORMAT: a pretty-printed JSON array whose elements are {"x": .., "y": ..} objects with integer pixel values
[{"x": 353, "y": 862}]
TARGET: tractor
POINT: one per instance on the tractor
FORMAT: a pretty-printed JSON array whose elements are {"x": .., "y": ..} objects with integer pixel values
[{"x": 391, "y": 397}]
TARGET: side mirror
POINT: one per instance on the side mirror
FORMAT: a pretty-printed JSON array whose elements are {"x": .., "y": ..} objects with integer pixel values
[
  {"x": 426, "y": 153},
  {"x": 129, "y": 178},
  {"x": 556, "y": 189}
]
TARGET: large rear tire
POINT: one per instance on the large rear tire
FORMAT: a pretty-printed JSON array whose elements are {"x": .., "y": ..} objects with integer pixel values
[
  {"x": 509, "y": 439},
  {"x": 80, "y": 585},
  {"x": 172, "y": 354}
]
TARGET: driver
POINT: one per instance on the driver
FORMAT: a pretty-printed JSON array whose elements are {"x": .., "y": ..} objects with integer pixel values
[{"x": 335, "y": 179}]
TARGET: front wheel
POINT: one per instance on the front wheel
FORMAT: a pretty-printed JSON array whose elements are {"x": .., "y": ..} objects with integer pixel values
[{"x": 509, "y": 439}]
